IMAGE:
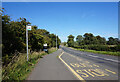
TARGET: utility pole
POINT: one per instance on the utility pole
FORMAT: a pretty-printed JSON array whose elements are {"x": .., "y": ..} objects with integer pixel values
[{"x": 56, "y": 41}]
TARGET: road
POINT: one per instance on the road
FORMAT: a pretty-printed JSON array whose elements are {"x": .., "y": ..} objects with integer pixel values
[
  {"x": 70, "y": 64},
  {"x": 50, "y": 67}
]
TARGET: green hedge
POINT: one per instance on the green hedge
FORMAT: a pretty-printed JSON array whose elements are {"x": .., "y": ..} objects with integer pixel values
[{"x": 99, "y": 47}]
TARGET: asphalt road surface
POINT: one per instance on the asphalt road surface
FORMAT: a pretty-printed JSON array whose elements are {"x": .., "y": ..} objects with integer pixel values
[{"x": 69, "y": 64}]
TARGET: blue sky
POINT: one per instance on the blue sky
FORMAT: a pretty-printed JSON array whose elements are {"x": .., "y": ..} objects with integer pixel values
[{"x": 65, "y": 18}]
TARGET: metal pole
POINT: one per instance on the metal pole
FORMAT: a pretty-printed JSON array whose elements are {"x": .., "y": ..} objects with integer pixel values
[
  {"x": 56, "y": 42},
  {"x": 27, "y": 41}
]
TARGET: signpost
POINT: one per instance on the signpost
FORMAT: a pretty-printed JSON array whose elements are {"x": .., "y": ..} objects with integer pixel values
[
  {"x": 56, "y": 42},
  {"x": 45, "y": 47},
  {"x": 27, "y": 28}
]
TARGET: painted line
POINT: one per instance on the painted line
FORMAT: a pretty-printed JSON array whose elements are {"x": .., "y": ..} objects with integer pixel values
[
  {"x": 77, "y": 75},
  {"x": 110, "y": 71},
  {"x": 111, "y": 60},
  {"x": 92, "y": 56},
  {"x": 104, "y": 58},
  {"x": 98, "y": 57}
]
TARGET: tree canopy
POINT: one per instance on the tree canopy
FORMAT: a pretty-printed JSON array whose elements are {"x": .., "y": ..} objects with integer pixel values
[
  {"x": 14, "y": 36},
  {"x": 70, "y": 41}
]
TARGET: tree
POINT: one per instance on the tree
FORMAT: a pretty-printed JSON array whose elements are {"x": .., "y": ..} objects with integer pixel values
[
  {"x": 53, "y": 40},
  {"x": 64, "y": 43},
  {"x": 110, "y": 41},
  {"x": 70, "y": 41},
  {"x": 14, "y": 37},
  {"x": 89, "y": 39},
  {"x": 79, "y": 39},
  {"x": 11, "y": 42},
  {"x": 101, "y": 40},
  {"x": 113, "y": 41},
  {"x": 38, "y": 41}
]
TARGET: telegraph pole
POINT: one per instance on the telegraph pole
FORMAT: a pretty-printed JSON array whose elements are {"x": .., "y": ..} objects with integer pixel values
[{"x": 56, "y": 41}]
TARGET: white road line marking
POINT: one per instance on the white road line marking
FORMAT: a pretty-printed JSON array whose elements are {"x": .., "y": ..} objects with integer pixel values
[
  {"x": 111, "y": 60},
  {"x": 93, "y": 56}
]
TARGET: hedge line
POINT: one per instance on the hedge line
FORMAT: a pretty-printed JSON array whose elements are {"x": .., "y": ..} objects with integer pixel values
[{"x": 100, "y": 47}]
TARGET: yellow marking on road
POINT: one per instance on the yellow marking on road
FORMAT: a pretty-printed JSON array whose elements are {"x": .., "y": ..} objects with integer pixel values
[
  {"x": 87, "y": 62},
  {"x": 84, "y": 62},
  {"x": 77, "y": 75},
  {"x": 95, "y": 72},
  {"x": 89, "y": 73},
  {"x": 96, "y": 65},
  {"x": 72, "y": 64},
  {"x": 110, "y": 71},
  {"x": 83, "y": 74},
  {"x": 82, "y": 65},
  {"x": 102, "y": 72}
]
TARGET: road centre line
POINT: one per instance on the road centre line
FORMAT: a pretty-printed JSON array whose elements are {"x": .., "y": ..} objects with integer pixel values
[
  {"x": 111, "y": 60},
  {"x": 92, "y": 56},
  {"x": 76, "y": 74},
  {"x": 104, "y": 58}
]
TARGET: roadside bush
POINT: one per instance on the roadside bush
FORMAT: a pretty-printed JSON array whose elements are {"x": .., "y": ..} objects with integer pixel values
[
  {"x": 99, "y": 47},
  {"x": 115, "y": 48}
]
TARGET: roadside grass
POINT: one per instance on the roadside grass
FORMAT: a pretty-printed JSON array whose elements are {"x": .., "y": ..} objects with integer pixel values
[
  {"x": 51, "y": 50},
  {"x": 100, "y": 52},
  {"x": 19, "y": 69}
]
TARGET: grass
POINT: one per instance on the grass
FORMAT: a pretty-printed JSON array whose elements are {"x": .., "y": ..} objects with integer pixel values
[
  {"x": 20, "y": 68},
  {"x": 100, "y": 52}
]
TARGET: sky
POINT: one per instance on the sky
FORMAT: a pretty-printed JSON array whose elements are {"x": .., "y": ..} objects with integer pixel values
[
  {"x": 65, "y": 18},
  {"x": 60, "y": 0}
]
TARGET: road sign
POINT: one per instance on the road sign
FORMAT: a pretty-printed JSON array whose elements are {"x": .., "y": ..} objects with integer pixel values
[
  {"x": 29, "y": 28},
  {"x": 45, "y": 45}
]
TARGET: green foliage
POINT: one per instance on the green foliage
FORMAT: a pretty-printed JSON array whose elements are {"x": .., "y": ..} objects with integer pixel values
[
  {"x": 64, "y": 43},
  {"x": 89, "y": 39},
  {"x": 14, "y": 37},
  {"x": 113, "y": 41},
  {"x": 100, "y": 47},
  {"x": 91, "y": 42},
  {"x": 19, "y": 68},
  {"x": 101, "y": 52},
  {"x": 101, "y": 40},
  {"x": 79, "y": 39},
  {"x": 70, "y": 41}
]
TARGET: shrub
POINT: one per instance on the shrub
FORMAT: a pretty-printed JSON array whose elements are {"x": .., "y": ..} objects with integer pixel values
[{"x": 99, "y": 47}]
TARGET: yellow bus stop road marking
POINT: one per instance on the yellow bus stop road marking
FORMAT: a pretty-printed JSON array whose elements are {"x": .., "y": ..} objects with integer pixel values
[
  {"x": 76, "y": 74},
  {"x": 110, "y": 71}
]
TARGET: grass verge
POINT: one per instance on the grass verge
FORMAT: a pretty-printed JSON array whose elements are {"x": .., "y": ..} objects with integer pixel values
[
  {"x": 19, "y": 69},
  {"x": 100, "y": 52}
]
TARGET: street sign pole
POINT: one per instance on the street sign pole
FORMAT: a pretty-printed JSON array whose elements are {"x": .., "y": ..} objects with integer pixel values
[
  {"x": 56, "y": 42},
  {"x": 27, "y": 41},
  {"x": 27, "y": 28}
]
